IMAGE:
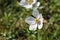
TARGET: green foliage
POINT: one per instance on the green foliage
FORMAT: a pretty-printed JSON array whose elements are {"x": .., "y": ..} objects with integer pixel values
[{"x": 13, "y": 26}]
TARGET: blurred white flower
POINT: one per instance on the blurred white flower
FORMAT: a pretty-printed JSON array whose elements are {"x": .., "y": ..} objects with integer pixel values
[
  {"x": 29, "y": 3},
  {"x": 35, "y": 21}
]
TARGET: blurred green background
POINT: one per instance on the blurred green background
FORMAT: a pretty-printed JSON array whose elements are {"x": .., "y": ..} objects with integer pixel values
[{"x": 14, "y": 27}]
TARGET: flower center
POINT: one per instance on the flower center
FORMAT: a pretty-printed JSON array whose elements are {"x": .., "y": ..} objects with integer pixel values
[
  {"x": 37, "y": 20},
  {"x": 29, "y": 1}
]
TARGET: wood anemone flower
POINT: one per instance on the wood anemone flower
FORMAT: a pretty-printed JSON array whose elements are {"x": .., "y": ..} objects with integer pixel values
[
  {"x": 36, "y": 21},
  {"x": 29, "y": 4}
]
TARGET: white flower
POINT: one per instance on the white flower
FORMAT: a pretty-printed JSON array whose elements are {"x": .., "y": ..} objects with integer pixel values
[
  {"x": 29, "y": 3},
  {"x": 35, "y": 21}
]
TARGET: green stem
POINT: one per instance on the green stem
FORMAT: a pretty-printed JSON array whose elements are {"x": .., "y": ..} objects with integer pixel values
[
  {"x": 38, "y": 35},
  {"x": 28, "y": 38}
]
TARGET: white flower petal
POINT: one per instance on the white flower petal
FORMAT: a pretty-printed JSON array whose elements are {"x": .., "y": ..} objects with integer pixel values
[
  {"x": 40, "y": 25},
  {"x": 28, "y": 6},
  {"x": 33, "y": 27},
  {"x": 36, "y": 5},
  {"x": 30, "y": 20},
  {"x": 35, "y": 13},
  {"x": 34, "y": 1},
  {"x": 40, "y": 17},
  {"x": 23, "y": 2}
]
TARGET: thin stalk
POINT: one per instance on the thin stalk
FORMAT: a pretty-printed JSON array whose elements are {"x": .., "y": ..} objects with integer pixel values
[{"x": 38, "y": 35}]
